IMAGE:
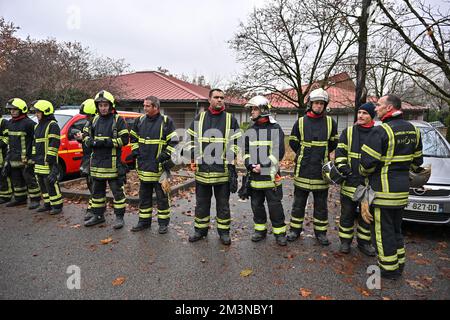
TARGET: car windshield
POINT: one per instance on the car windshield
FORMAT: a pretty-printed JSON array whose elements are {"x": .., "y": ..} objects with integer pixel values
[
  {"x": 433, "y": 146},
  {"x": 62, "y": 119}
]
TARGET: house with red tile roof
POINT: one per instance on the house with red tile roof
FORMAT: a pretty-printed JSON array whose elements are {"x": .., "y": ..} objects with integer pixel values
[
  {"x": 341, "y": 91},
  {"x": 179, "y": 99}
]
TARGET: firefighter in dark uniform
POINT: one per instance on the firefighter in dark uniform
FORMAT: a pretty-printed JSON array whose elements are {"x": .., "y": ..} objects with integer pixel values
[
  {"x": 313, "y": 138},
  {"x": 106, "y": 135},
  {"x": 214, "y": 136},
  {"x": 19, "y": 157},
  {"x": 5, "y": 182},
  {"x": 389, "y": 153},
  {"x": 264, "y": 149},
  {"x": 88, "y": 109},
  {"x": 45, "y": 156},
  {"x": 153, "y": 140},
  {"x": 348, "y": 154}
]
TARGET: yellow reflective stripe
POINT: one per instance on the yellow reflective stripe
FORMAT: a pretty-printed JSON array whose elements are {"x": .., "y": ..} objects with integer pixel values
[
  {"x": 200, "y": 130},
  {"x": 260, "y": 227},
  {"x": 262, "y": 184},
  {"x": 170, "y": 136},
  {"x": 341, "y": 160},
  {"x": 378, "y": 239},
  {"x": 123, "y": 131},
  {"x": 223, "y": 226},
  {"x": 171, "y": 149},
  {"x": 211, "y": 180},
  {"x": 293, "y": 138},
  {"x": 134, "y": 134},
  {"x": 201, "y": 225},
  {"x": 54, "y": 136},
  {"x": 145, "y": 210},
  {"x": 354, "y": 155},
  {"x": 152, "y": 141},
  {"x": 163, "y": 216},
  {"x": 346, "y": 229},
  {"x": 273, "y": 159},
  {"x": 236, "y": 135},
  {"x": 41, "y": 140},
  {"x": 295, "y": 225},
  {"x": 17, "y": 133},
  {"x": 104, "y": 170},
  {"x": 206, "y": 219},
  {"x": 297, "y": 219},
  {"x": 223, "y": 221},
  {"x": 342, "y": 145},
  {"x": 391, "y": 195},
  {"x": 389, "y": 155},
  {"x": 401, "y": 158},
  {"x": 371, "y": 152},
  {"x": 191, "y": 132},
  {"x": 279, "y": 230},
  {"x": 212, "y": 140},
  {"x": 391, "y": 202},
  {"x": 315, "y": 144}
]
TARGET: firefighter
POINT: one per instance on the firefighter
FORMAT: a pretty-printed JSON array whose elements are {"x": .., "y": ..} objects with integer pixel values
[
  {"x": 214, "y": 136},
  {"x": 264, "y": 148},
  {"x": 387, "y": 156},
  {"x": 348, "y": 153},
  {"x": 19, "y": 163},
  {"x": 106, "y": 135},
  {"x": 313, "y": 138},
  {"x": 45, "y": 156},
  {"x": 153, "y": 140},
  {"x": 5, "y": 182},
  {"x": 88, "y": 109}
]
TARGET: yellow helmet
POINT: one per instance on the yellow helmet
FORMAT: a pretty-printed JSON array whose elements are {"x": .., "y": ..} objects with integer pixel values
[
  {"x": 88, "y": 107},
  {"x": 44, "y": 106},
  {"x": 17, "y": 103},
  {"x": 105, "y": 96}
]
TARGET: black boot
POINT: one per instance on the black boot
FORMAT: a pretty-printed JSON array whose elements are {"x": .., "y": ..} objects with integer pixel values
[
  {"x": 16, "y": 203},
  {"x": 390, "y": 275},
  {"x": 142, "y": 225},
  {"x": 367, "y": 249},
  {"x": 281, "y": 239},
  {"x": 197, "y": 235},
  {"x": 259, "y": 235},
  {"x": 44, "y": 208},
  {"x": 163, "y": 229},
  {"x": 345, "y": 247},
  {"x": 4, "y": 200},
  {"x": 96, "y": 219},
  {"x": 322, "y": 239},
  {"x": 118, "y": 224},
  {"x": 88, "y": 215},
  {"x": 55, "y": 211},
  {"x": 293, "y": 234},
  {"x": 34, "y": 204},
  {"x": 225, "y": 238}
]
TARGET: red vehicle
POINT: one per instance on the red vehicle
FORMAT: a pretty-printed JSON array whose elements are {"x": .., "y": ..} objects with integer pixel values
[{"x": 70, "y": 151}]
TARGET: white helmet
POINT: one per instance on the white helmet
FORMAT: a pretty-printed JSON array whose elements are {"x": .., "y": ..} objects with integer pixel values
[
  {"x": 318, "y": 95},
  {"x": 262, "y": 103}
]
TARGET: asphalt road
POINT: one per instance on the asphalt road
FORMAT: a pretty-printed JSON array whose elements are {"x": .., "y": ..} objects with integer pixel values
[{"x": 37, "y": 250}]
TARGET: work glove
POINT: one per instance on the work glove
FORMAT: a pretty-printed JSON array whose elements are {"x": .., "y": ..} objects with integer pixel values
[
  {"x": 163, "y": 157},
  {"x": 365, "y": 211},
  {"x": 233, "y": 178},
  {"x": 53, "y": 176},
  {"x": 345, "y": 170}
]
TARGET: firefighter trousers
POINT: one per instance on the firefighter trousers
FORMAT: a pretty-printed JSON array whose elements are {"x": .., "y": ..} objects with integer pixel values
[
  {"x": 25, "y": 184},
  {"x": 51, "y": 194},
  {"x": 99, "y": 196},
  {"x": 350, "y": 214},
  {"x": 320, "y": 213},
  {"x": 276, "y": 212},
  {"x": 89, "y": 183},
  {"x": 388, "y": 239},
  {"x": 5, "y": 188},
  {"x": 203, "y": 195},
  {"x": 146, "y": 203}
]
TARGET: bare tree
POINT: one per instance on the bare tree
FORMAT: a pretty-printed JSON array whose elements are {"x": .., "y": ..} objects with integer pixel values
[
  {"x": 425, "y": 30},
  {"x": 289, "y": 43},
  {"x": 64, "y": 73}
]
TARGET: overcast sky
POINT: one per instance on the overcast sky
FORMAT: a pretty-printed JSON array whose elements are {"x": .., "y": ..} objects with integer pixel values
[{"x": 187, "y": 37}]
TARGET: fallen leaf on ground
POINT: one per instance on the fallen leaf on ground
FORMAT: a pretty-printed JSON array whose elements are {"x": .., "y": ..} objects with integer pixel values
[
  {"x": 119, "y": 281},
  {"x": 386, "y": 298},
  {"x": 363, "y": 292},
  {"x": 106, "y": 241},
  {"x": 416, "y": 284},
  {"x": 305, "y": 292},
  {"x": 76, "y": 226},
  {"x": 246, "y": 272},
  {"x": 324, "y": 298}
]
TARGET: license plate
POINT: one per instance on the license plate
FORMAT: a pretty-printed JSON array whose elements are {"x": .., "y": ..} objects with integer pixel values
[{"x": 428, "y": 207}]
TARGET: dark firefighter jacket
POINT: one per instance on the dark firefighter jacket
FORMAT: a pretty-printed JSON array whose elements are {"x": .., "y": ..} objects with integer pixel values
[
  {"x": 391, "y": 150},
  {"x": 46, "y": 144},
  {"x": 3, "y": 140},
  {"x": 152, "y": 138},
  {"x": 312, "y": 139},
  {"x": 214, "y": 140},
  {"x": 105, "y": 160},
  {"x": 264, "y": 145},
  {"x": 20, "y": 135},
  {"x": 348, "y": 155}
]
